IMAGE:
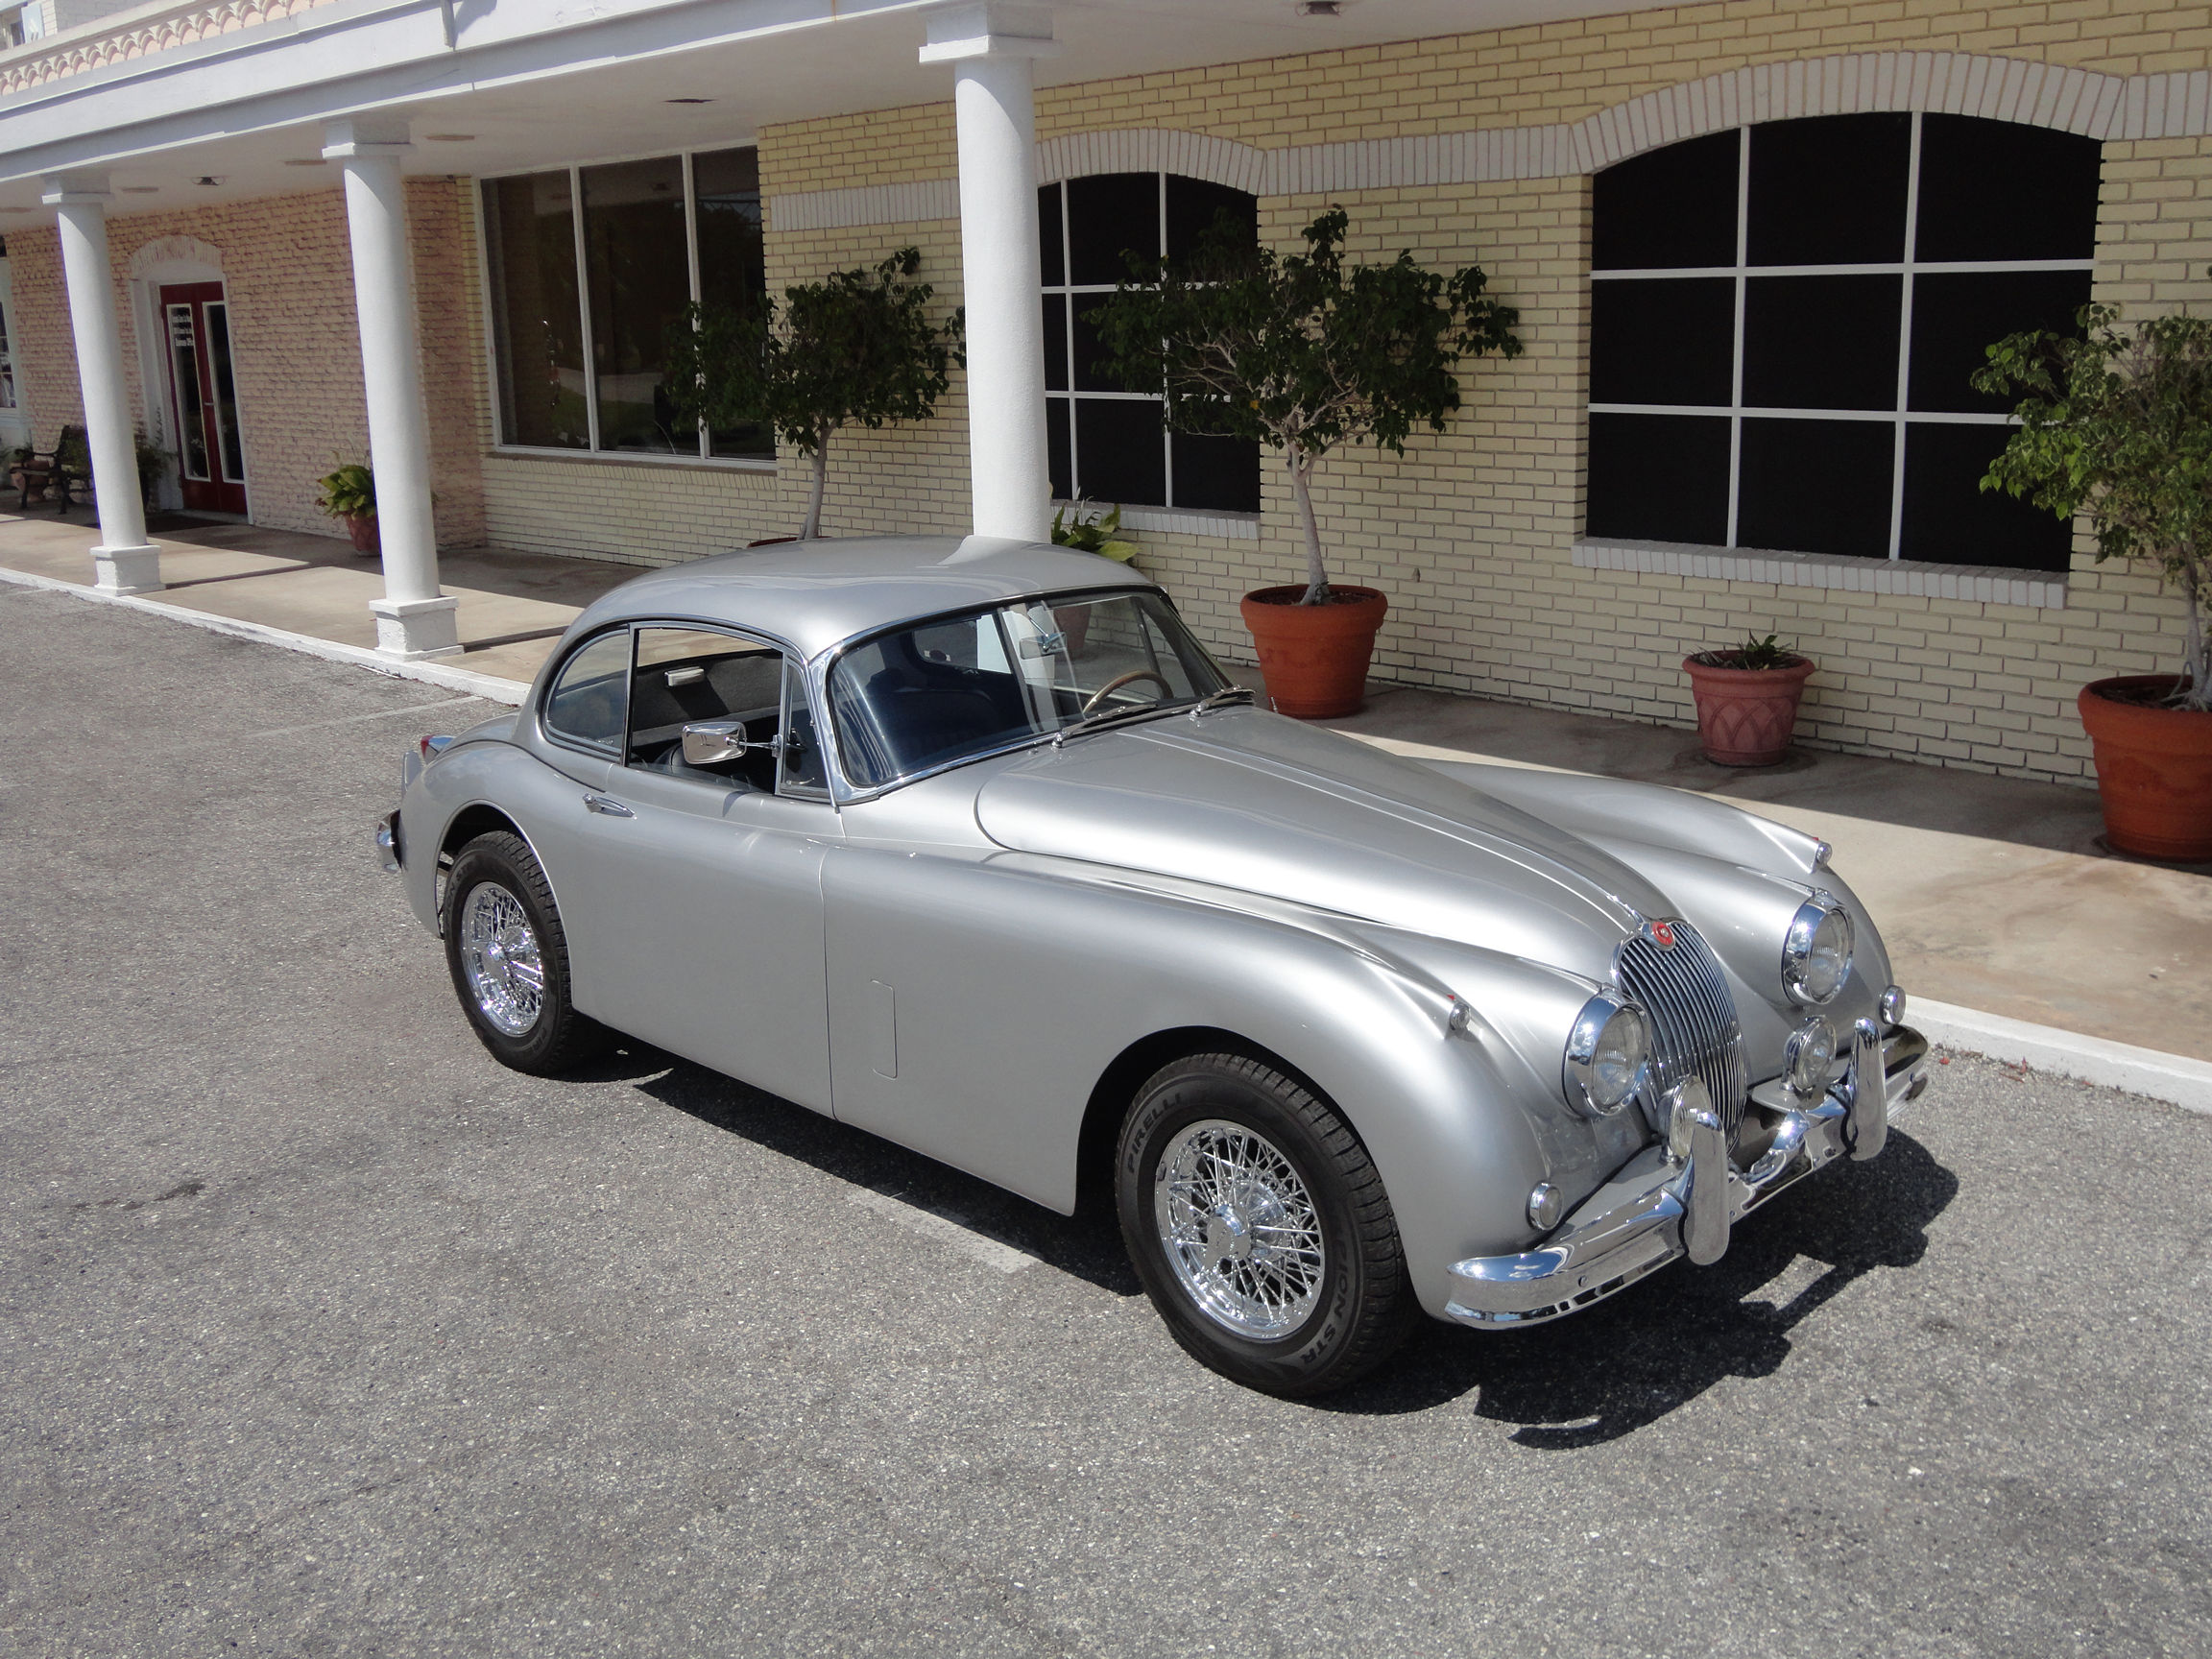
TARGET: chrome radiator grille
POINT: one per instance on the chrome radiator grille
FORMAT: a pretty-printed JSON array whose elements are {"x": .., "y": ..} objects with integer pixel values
[{"x": 1682, "y": 988}]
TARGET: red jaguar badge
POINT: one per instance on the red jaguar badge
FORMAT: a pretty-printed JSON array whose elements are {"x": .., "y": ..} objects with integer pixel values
[{"x": 1663, "y": 935}]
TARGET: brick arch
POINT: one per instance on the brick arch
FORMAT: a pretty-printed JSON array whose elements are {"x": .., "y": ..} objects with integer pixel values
[
  {"x": 2079, "y": 101},
  {"x": 173, "y": 251},
  {"x": 1153, "y": 150}
]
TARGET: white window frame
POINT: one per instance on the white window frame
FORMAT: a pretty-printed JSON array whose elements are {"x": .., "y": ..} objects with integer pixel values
[
  {"x": 1742, "y": 270},
  {"x": 500, "y": 442}
]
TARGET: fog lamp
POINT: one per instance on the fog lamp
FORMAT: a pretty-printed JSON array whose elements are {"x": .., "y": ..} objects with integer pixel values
[
  {"x": 1809, "y": 1058},
  {"x": 1893, "y": 1005},
  {"x": 1545, "y": 1205}
]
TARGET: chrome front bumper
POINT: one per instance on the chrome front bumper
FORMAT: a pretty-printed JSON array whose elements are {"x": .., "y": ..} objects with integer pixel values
[{"x": 1658, "y": 1207}]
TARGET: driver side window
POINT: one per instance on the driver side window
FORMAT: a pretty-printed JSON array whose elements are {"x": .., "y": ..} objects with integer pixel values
[{"x": 686, "y": 675}]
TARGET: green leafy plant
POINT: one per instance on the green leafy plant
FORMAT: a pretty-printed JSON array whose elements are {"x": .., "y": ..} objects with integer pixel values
[
  {"x": 1300, "y": 352},
  {"x": 1099, "y": 533},
  {"x": 857, "y": 348},
  {"x": 1753, "y": 653},
  {"x": 2117, "y": 426},
  {"x": 153, "y": 461},
  {"x": 348, "y": 491}
]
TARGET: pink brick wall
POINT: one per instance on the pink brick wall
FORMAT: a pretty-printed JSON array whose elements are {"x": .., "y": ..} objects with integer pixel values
[{"x": 287, "y": 273}]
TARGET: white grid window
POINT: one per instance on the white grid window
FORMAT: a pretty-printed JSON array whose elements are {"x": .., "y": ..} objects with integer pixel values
[{"x": 1783, "y": 322}]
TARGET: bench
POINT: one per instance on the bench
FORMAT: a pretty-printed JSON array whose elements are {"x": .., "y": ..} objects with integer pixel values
[{"x": 63, "y": 469}]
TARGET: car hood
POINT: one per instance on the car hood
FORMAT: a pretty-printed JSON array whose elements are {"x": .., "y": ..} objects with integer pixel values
[{"x": 1260, "y": 804}]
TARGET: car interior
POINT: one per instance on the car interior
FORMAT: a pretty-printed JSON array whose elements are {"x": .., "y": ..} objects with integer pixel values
[{"x": 687, "y": 675}]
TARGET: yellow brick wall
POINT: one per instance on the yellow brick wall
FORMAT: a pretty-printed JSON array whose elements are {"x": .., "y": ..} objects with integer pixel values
[
  {"x": 288, "y": 275},
  {"x": 1471, "y": 533}
]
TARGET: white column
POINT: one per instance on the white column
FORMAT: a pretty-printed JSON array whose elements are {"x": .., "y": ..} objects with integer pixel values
[
  {"x": 991, "y": 47},
  {"x": 124, "y": 562},
  {"x": 414, "y": 618}
]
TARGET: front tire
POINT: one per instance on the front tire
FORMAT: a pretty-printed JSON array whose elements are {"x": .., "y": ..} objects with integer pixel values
[
  {"x": 1260, "y": 1227},
  {"x": 509, "y": 958}
]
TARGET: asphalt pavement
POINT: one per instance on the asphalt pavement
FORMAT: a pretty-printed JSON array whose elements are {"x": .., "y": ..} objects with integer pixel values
[{"x": 320, "y": 1334}]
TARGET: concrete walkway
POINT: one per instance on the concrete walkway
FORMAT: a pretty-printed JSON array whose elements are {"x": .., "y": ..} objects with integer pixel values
[{"x": 1993, "y": 894}]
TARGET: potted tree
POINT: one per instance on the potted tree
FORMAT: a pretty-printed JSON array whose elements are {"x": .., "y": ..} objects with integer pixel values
[
  {"x": 2117, "y": 426},
  {"x": 857, "y": 349},
  {"x": 348, "y": 492},
  {"x": 1301, "y": 352},
  {"x": 1746, "y": 698}
]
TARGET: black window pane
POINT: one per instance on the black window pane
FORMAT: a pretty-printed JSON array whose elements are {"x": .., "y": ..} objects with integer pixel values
[
  {"x": 1048, "y": 251},
  {"x": 1830, "y": 190},
  {"x": 1659, "y": 477},
  {"x": 1995, "y": 190},
  {"x": 638, "y": 273},
  {"x": 1956, "y": 317},
  {"x": 537, "y": 323},
  {"x": 1667, "y": 341},
  {"x": 1821, "y": 342},
  {"x": 1091, "y": 375},
  {"x": 1815, "y": 487},
  {"x": 1668, "y": 207},
  {"x": 1059, "y": 456},
  {"x": 1192, "y": 207},
  {"x": 1215, "y": 474},
  {"x": 1055, "y": 343},
  {"x": 1119, "y": 457},
  {"x": 1950, "y": 520},
  {"x": 726, "y": 193},
  {"x": 1108, "y": 213}
]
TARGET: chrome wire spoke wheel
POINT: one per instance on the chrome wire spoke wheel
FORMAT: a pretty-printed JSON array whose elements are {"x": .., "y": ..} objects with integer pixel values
[
  {"x": 500, "y": 955},
  {"x": 1239, "y": 1228}
]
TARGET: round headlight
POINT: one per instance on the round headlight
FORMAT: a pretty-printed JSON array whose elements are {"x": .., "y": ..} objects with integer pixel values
[
  {"x": 1608, "y": 1054},
  {"x": 1816, "y": 950},
  {"x": 1807, "y": 1058}
]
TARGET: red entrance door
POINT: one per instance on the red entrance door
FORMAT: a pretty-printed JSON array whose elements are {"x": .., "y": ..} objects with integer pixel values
[{"x": 203, "y": 394}]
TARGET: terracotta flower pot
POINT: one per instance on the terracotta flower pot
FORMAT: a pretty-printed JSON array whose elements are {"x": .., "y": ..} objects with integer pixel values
[
  {"x": 1745, "y": 715},
  {"x": 1314, "y": 656},
  {"x": 2153, "y": 768},
  {"x": 368, "y": 540}
]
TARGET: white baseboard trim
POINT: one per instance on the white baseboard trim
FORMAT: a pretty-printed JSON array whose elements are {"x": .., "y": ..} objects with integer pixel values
[
  {"x": 492, "y": 687},
  {"x": 2174, "y": 1079}
]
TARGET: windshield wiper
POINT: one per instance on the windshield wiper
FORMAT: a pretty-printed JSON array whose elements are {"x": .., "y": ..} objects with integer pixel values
[
  {"x": 1220, "y": 699},
  {"x": 1111, "y": 717}
]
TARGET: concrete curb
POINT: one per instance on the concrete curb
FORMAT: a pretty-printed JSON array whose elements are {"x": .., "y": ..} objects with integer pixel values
[
  {"x": 2174, "y": 1079},
  {"x": 492, "y": 687}
]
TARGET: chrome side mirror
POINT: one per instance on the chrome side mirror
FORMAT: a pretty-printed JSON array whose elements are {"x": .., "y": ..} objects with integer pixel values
[{"x": 710, "y": 742}]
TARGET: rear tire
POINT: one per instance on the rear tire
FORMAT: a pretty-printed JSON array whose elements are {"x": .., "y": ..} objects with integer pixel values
[
  {"x": 509, "y": 959},
  {"x": 1260, "y": 1227}
]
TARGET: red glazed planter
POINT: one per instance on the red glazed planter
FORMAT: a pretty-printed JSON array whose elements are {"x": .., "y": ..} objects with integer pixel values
[
  {"x": 1314, "y": 656},
  {"x": 2154, "y": 770},
  {"x": 368, "y": 540},
  {"x": 1745, "y": 715}
]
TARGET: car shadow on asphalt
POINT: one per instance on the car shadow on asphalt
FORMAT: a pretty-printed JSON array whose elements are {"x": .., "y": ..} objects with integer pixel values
[
  {"x": 1604, "y": 1373},
  {"x": 1087, "y": 1245},
  {"x": 1582, "y": 1380}
]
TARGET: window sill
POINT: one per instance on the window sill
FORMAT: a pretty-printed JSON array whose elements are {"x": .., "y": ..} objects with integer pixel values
[
  {"x": 1991, "y": 584},
  {"x": 1179, "y": 521},
  {"x": 625, "y": 458}
]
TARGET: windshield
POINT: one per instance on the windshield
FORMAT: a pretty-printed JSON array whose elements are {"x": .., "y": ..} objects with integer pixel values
[{"x": 937, "y": 691}]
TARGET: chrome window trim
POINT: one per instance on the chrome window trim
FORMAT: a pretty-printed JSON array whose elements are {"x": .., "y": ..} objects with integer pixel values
[
  {"x": 795, "y": 669},
  {"x": 843, "y": 789}
]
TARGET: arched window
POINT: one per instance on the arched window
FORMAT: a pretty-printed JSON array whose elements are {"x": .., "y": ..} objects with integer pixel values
[
  {"x": 1107, "y": 443},
  {"x": 1783, "y": 318}
]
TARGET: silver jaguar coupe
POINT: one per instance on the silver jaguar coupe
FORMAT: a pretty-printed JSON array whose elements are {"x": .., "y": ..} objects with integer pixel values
[{"x": 970, "y": 845}]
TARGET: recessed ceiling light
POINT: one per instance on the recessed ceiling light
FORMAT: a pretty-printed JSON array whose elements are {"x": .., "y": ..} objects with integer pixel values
[
  {"x": 1320, "y": 8},
  {"x": 305, "y": 161},
  {"x": 450, "y": 137},
  {"x": 211, "y": 179},
  {"x": 686, "y": 100}
]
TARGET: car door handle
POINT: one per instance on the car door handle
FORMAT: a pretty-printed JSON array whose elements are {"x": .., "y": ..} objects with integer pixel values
[{"x": 611, "y": 808}]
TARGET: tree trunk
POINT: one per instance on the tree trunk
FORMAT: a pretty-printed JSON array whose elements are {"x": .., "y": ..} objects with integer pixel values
[
  {"x": 2198, "y": 664},
  {"x": 813, "y": 525},
  {"x": 1316, "y": 577}
]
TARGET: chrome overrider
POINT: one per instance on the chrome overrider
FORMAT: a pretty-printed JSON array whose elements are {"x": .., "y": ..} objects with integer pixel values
[{"x": 1682, "y": 1196}]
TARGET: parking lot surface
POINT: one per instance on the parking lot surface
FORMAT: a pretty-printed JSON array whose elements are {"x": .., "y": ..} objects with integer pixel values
[{"x": 323, "y": 1335}]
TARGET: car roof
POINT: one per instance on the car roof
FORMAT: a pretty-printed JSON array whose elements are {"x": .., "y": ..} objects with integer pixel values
[{"x": 816, "y": 594}]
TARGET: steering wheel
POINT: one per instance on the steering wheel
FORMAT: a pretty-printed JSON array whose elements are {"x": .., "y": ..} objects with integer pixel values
[{"x": 1117, "y": 683}]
